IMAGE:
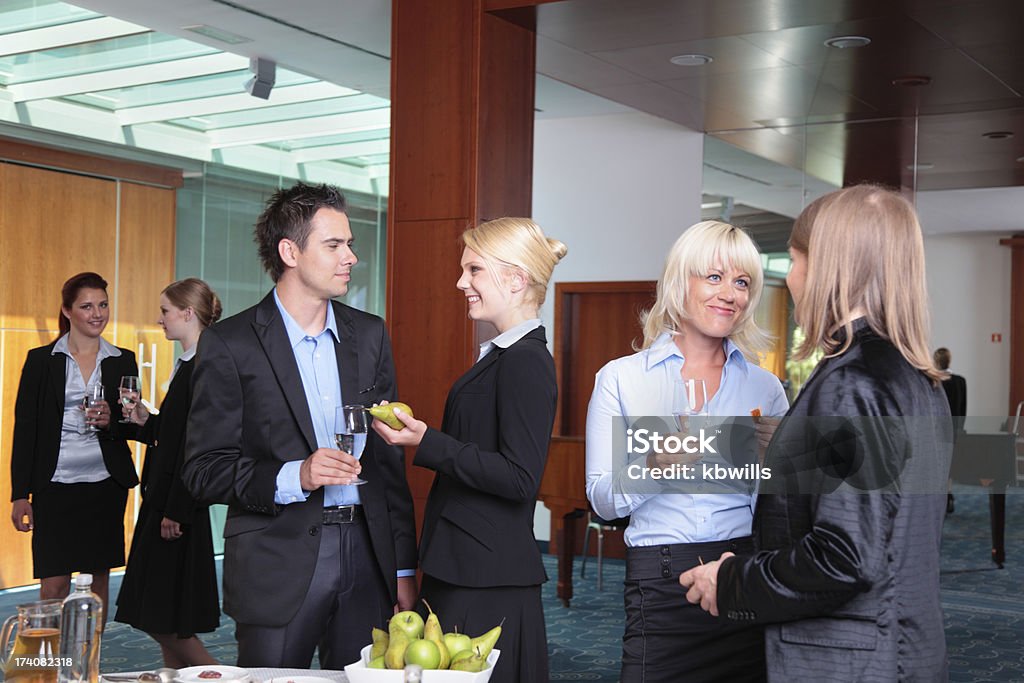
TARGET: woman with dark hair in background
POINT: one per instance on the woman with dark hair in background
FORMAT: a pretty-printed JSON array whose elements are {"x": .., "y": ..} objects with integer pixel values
[
  {"x": 170, "y": 584},
  {"x": 71, "y": 468}
]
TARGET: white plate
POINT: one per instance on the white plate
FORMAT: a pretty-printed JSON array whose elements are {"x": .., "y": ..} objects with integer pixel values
[
  {"x": 298, "y": 679},
  {"x": 228, "y": 674}
]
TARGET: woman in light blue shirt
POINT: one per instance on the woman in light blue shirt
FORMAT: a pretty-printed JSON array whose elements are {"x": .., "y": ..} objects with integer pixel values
[{"x": 701, "y": 327}]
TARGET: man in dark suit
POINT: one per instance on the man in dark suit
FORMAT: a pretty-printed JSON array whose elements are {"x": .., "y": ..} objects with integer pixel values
[
  {"x": 955, "y": 387},
  {"x": 310, "y": 561}
]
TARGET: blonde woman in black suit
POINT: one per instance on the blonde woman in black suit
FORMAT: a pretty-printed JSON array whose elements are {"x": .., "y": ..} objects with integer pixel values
[
  {"x": 69, "y": 482},
  {"x": 170, "y": 585},
  {"x": 479, "y": 558}
]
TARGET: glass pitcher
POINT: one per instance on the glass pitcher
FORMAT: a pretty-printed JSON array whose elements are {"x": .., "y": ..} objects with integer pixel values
[{"x": 36, "y": 635}]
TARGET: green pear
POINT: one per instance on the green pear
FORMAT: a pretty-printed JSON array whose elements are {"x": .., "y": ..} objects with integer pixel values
[
  {"x": 380, "y": 643},
  {"x": 432, "y": 632},
  {"x": 394, "y": 658},
  {"x": 485, "y": 643},
  {"x": 386, "y": 414},
  {"x": 471, "y": 661},
  {"x": 376, "y": 663}
]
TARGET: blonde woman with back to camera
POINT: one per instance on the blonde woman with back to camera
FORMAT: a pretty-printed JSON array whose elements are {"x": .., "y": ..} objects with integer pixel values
[
  {"x": 170, "y": 585},
  {"x": 701, "y": 327},
  {"x": 846, "y": 574},
  {"x": 478, "y": 554}
]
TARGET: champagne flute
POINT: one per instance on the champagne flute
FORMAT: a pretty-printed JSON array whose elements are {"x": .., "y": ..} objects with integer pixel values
[
  {"x": 350, "y": 432},
  {"x": 689, "y": 399},
  {"x": 93, "y": 397},
  {"x": 130, "y": 390}
]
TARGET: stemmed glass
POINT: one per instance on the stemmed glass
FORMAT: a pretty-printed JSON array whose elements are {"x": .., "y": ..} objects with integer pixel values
[
  {"x": 93, "y": 397},
  {"x": 689, "y": 399},
  {"x": 350, "y": 432},
  {"x": 130, "y": 390}
]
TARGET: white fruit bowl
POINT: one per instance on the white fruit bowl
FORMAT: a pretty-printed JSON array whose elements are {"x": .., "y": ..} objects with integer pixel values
[{"x": 358, "y": 673}]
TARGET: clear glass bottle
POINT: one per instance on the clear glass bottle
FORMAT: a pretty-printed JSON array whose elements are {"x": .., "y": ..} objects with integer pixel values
[{"x": 81, "y": 626}]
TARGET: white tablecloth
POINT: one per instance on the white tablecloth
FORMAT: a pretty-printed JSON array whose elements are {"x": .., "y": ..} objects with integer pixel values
[
  {"x": 267, "y": 674},
  {"x": 260, "y": 675}
]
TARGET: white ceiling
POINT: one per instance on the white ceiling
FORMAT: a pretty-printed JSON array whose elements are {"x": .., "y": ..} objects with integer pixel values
[{"x": 347, "y": 42}]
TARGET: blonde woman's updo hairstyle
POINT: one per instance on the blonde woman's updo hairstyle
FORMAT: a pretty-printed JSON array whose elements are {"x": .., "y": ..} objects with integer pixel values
[
  {"x": 518, "y": 244},
  {"x": 195, "y": 294},
  {"x": 703, "y": 246}
]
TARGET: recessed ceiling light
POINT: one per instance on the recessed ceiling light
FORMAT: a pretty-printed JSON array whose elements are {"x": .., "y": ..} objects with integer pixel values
[
  {"x": 921, "y": 166},
  {"x": 998, "y": 134},
  {"x": 912, "y": 81},
  {"x": 691, "y": 60},
  {"x": 844, "y": 42}
]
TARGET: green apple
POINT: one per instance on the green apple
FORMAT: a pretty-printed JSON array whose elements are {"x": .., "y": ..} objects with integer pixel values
[
  {"x": 424, "y": 653},
  {"x": 457, "y": 642},
  {"x": 410, "y": 623},
  {"x": 376, "y": 663}
]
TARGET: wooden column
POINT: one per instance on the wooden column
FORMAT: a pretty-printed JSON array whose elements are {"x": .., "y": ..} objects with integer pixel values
[
  {"x": 462, "y": 93},
  {"x": 1016, "y": 243}
]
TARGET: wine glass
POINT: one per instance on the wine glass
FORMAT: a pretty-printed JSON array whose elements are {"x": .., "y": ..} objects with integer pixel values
[
  {"x": 350, "y": 432},
  {"x": 93, "y": 397},
  {"x": 130, "y": 389},
  {"x": 689, "y": 399}
]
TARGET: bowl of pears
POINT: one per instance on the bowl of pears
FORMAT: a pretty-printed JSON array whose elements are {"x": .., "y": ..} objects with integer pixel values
[{"x": 444, "y": 657}]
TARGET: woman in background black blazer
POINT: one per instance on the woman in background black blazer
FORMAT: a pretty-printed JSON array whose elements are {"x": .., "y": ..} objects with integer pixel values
[
  {"x": 478, "y": 554},
  {"x": 170, "y": 584},
  {"x": 69, "y": 484}
]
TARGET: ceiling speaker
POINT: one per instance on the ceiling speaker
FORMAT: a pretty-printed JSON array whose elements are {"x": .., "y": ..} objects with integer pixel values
[{"x": 264, "y": 75}]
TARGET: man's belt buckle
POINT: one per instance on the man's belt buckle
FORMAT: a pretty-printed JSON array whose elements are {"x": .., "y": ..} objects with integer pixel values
[{"x": 341, "y": 514}]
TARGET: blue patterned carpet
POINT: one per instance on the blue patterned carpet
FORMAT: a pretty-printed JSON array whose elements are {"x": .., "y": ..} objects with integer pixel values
[{"x": 984, "y": 609}]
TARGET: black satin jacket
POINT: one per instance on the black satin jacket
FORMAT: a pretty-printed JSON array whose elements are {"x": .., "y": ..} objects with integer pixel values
[{"x": 848, "y": 529}]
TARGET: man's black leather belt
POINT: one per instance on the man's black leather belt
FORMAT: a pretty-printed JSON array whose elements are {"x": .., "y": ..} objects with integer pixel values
[{"x": 343, "y": 514}]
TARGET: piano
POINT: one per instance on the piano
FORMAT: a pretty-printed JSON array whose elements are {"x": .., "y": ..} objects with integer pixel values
[
  {"x": 563, "y": 492},
  {"x": 989, "y": 460}
]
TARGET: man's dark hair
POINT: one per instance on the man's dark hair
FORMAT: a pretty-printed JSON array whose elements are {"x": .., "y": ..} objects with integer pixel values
[{"x": 287, "y": 216}]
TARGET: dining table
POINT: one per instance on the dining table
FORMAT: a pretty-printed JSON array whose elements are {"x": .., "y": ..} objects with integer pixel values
[{"x": 260, "y": 675}]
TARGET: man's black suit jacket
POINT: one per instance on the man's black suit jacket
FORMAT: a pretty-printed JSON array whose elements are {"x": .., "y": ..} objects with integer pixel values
[
  {"x": 249, "y": 416},
  {"x": 39, "y": 413},
  {"x": 489, "y": 457},
  {"x": 956, "y": 393}
]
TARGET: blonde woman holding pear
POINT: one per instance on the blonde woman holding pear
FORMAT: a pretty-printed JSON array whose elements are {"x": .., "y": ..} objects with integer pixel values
[{"x": 479, "y": 557}]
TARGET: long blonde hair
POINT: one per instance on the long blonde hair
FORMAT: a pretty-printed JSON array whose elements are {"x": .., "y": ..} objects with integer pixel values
[
  {"x": 864, "y": 250},
  {"x": 700, "y": 248},
  {"x": 518, "y": 243}
]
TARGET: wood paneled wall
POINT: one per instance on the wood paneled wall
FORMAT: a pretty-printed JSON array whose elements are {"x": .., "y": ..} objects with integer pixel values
[
  {"x": 1016, "y": 243},
  {"x": 54, "y": 224},
  {"x": 462, "y": 83}
]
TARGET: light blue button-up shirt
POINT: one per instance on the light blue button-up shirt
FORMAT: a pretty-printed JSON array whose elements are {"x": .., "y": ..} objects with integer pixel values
[
  {"x": 318, "y": 368},
  {"x": 642, "y": 385}
]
